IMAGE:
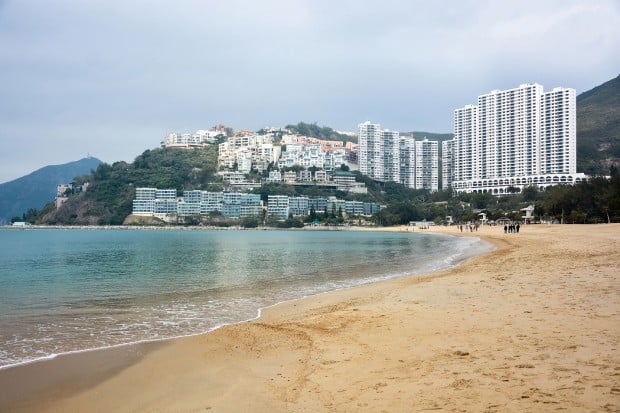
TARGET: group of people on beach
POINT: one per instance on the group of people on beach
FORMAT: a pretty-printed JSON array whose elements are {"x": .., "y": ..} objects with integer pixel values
[
  {"x": 472, "y": 227},
  {"x": 511, "y": 228}
]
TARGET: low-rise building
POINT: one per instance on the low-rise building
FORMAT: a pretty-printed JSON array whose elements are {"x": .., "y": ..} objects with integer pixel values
[
  {"x": 299, "y": 206},
  {"x": 164, "y": 204},
  {"x": 278, "y": 206}
]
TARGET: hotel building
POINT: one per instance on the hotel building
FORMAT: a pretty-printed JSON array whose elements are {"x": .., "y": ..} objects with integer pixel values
[{"x": 513, "y": 138}]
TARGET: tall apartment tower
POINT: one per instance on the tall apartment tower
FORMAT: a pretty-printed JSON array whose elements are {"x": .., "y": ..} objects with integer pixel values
[
  {"x": 468, "y": 163},
  {"x": 407, "y": 161},
  {"x": 385, "y": 156},
  {"x": 447, "y": 163},
  {"x": 426, "y": 165},
  {"x": 558, "y": 139},
  {"x": 390, "y": 151},
  {"x": 369, "y": 149},
  {"x": 378, "y": 152},
  {"x": 514, "y": 138}
]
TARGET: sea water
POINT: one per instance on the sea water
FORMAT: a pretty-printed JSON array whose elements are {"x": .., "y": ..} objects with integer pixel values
[{"x": 78, "y": 289}]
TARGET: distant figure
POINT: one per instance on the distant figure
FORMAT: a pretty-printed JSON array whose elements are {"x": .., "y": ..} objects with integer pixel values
[
  {"x": 517, "y": 228},
  {"x": 505, "y": 228}
]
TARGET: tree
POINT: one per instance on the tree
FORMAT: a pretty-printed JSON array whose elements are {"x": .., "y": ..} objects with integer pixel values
[
  {"x": 530, "y": 193},
  {"x": 312, "y": 213},
  {"x": 250, "y": 222}
]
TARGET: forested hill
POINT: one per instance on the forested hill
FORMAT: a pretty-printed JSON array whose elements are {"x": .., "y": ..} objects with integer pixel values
[
  {"x": 34, "y": 190},
  {"x": 109, "y": 198},
  {"x": 598, "y": 128},
  {"x": 432, "y": 136},
  {"x": 319, "y": 132}
]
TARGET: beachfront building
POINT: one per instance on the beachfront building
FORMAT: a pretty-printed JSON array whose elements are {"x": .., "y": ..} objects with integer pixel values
[
  {"x": 515, "y": 138},
  {"x": 164, "y": 204},
  {"x": 155, "y": 202},
  {"x": 299, "y": 206},
  {"x": 210, "y": 202},
  {"x": 278, "y": 206}
]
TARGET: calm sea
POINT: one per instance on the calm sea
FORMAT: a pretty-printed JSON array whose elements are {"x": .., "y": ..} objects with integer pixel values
[{"x": 73, "y": 290}]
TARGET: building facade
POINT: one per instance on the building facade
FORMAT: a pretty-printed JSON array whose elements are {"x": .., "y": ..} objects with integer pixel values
[
  {"x": 514, "y": 138},
  {"x": 447, "y": 163},
  {"x": 385, "y": 156},
  {"x": 426, "y": 165}
]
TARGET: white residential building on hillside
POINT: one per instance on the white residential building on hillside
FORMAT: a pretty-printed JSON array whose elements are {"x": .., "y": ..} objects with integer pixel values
[
  {"x": 391, "y": 154},
  {"x": 426, "y": 165},
  {"x": 407, "y": 161},
  {"x": 385, "y": 156},
  {"x": 378, "y": 152},
  {"x": 197, "y": 139},
  {"x": 369, "y": 150},
  {"x": 248, "y": 151}
]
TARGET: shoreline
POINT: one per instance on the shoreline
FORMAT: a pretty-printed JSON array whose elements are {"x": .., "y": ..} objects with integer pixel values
[
  {"x": 298, "y": 352},
  {"x": 447, "y": 263}
]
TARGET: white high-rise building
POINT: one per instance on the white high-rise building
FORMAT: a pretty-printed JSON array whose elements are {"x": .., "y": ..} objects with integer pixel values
[
  {"x": 390, "y": 151},
  {"x": 447, "y": 163},
  {"x": 514, "y": 138},
  {"x": 369, "y": 150},
  {"x": 467, "y": 164},
  {"x": 426, "y": 165},
  {"x": 407, "y": 161},
  {"x": 385, "y": 156},
  {"x": 558, "y": 138},
  {"x": 378, "y": 152}
]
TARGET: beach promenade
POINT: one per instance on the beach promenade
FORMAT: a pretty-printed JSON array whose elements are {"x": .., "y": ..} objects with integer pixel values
[{"x": 532, "y": 326}]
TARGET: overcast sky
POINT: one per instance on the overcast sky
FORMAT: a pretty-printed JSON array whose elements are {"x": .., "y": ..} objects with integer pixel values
[{"x": 110, "y": 78}]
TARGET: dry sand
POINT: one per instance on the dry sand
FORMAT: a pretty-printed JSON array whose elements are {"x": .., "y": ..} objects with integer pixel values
[{"x": 532, "y": 326}]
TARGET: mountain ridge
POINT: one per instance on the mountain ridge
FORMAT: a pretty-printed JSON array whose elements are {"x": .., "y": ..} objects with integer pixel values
[
  {"x": 34, "y": 190},
  {"x": 598, "y": 128}
]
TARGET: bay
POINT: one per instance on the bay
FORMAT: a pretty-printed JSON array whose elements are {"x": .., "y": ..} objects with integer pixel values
[{"x": 78, "y": 289}]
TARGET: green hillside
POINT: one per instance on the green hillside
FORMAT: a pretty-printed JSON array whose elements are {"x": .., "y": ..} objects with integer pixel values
[
  {"x": 108, "y": 200},
  {"x": 34, "y": 190},
  {"x": 431, "y": 136},
  {"x": 598, "y": 128},
  {"x": 320, "y": 132}
]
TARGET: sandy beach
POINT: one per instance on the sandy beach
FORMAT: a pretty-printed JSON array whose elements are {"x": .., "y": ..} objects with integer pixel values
[{"x": 532, "y": 326}]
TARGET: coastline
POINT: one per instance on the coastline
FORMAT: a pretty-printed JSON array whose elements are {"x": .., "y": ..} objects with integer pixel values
[
  {"x": 195, "y": 315},
  {"x": 510, "y": 330}
]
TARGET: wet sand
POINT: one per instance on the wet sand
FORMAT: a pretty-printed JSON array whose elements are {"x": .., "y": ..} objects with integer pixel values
[{"x": 532, "y": 326}]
